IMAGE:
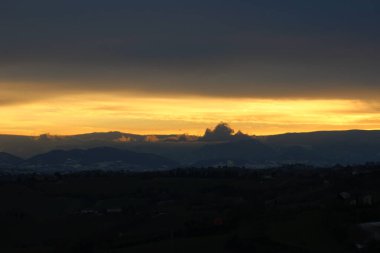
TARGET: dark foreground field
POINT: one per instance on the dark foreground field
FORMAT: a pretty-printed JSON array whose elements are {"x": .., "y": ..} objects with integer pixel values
[{"x": 206, "y": 210}]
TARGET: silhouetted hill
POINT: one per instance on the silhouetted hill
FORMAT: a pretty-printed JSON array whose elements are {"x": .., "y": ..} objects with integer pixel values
[
  {"x": 107, "y": 136},
  {"x": 319, "y": 148},
  {"x": 323, "y": 137},
  {"x": 247, "y": 150},
  {"x": 28, "y": 146},
  {"x": 82, "y": 157},
  {"x": 355, "y": 146},
  {"x": 8, "y": 160}
]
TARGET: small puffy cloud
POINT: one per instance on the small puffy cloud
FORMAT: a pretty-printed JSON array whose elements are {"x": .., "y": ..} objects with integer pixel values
[
  {"x": 124, "y": 139},
  {"x": 181, "y": 138},
  {"x": 47, "y": 137},
  {"x": 151, "y": 138}
]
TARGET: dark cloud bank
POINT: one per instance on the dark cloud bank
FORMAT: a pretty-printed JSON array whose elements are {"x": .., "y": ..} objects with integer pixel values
[{"x": 212, "y": 48}]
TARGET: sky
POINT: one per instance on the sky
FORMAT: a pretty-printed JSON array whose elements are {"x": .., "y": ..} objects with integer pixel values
[{"x": 176, "y": 66}]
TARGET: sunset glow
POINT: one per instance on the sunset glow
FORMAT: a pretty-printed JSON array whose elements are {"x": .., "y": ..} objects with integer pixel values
[
  {"x": 152, "y": 67},
  {"x": 147, "y": 115}
]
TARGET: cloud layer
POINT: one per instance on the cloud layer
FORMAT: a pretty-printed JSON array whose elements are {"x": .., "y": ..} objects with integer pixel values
[
  {"x": 266, "y": 49},
  {"x": 176, "y": 66}
]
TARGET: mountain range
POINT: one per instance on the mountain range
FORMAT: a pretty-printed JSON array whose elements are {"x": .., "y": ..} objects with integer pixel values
[{"x": 218, "y": 147}]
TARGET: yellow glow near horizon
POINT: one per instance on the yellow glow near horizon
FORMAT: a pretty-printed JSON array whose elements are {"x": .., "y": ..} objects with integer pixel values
[{"x": 145, "y": 115}]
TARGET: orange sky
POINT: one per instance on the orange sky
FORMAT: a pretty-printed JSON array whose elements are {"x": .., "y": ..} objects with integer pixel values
[
  {"x": 72, "y": 114},
  {"x": 168, "y": 66}
]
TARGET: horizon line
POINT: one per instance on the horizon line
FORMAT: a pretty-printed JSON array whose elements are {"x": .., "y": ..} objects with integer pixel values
[{"x": 178, "y": 134}]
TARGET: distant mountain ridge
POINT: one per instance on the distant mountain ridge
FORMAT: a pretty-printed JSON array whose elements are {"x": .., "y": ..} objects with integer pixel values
[
  {"x": 28, "y": 146},
  {"x": 218, "y": 146},
  {"x": 346, "y": 147},
  {"x": 8, "y": 160},
  {"x": 248, "y": 150},
  {"x": 317, "y": 137},
  {"x": 89, "y": 157}
]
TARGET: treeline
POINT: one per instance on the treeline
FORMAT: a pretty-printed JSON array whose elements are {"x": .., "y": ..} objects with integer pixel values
[{"x": 205, "y": 172}]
